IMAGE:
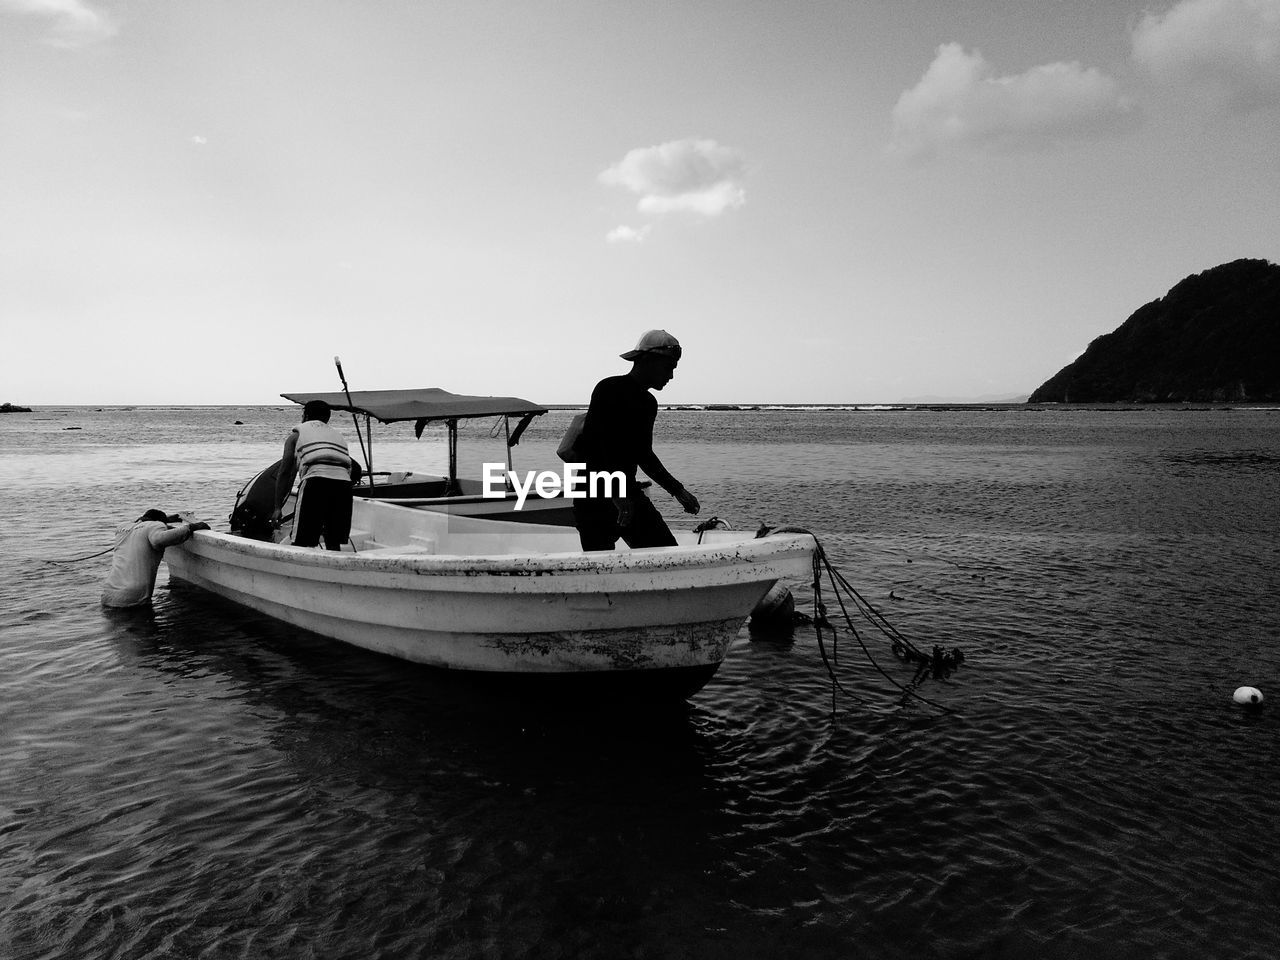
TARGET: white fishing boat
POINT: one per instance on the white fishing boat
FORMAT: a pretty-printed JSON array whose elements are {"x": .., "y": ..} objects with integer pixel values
[{"x": 509, "y": 599}]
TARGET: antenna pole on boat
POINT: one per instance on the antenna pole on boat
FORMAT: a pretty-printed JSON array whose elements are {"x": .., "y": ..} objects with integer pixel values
[{"x": 368, "y": 462}]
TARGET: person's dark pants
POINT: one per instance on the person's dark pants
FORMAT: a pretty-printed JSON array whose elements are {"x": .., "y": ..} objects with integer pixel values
[
  {"x": 324, "y": 507},
  {"x": 597, "y": 523}
]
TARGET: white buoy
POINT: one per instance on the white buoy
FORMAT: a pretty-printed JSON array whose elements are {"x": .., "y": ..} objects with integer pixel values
[{"x": 1248, "y": 696}]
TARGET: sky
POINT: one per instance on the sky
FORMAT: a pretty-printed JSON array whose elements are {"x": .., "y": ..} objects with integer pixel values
[{"x": 835, "y": 201}]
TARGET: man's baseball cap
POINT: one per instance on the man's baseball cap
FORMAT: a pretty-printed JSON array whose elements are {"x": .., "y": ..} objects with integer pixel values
[{"x": 657, "y": 342}]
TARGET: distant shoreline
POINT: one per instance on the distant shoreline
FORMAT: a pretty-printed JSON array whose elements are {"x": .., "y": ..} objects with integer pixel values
[{"x": 733, "y": 407}]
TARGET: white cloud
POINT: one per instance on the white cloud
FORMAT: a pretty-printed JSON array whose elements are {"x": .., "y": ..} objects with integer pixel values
[
  {"x": 74, "y": 23},
  {"x": 698, "y": 176},
  {"x": 961, "y": 102},
  {"x": 1227, "y": 51},
  {"x": 626, "y": 234},
  {"x": 199, "y": 140}
]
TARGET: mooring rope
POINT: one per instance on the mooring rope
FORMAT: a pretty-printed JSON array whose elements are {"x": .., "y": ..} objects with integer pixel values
[
  {"x": 878, "y": 620},
  {"x": 91, "y": 556},
  {"x": 939, "y": 664},
  {"x": 711, "y": 524},
  {"x": 79, "y": 559}
]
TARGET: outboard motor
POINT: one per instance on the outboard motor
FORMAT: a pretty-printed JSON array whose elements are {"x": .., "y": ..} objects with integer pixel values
[{"x": 251, "y": 516}]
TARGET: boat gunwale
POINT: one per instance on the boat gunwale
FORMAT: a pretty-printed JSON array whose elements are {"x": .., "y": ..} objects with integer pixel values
[{"x": 389, "y": 559}]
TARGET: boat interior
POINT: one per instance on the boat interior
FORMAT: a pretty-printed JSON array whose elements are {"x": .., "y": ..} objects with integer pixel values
[
  {"x": 429, "y": 492},
  {"x": 409, "y": 485},
  {"x": 381, "y": 528},
  {"x": 391, "y": 528}
]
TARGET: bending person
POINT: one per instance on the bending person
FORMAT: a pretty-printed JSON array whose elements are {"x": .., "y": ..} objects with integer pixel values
[
  {"x": 136, "y": 557},
  {"x": 317, "y": 454}
]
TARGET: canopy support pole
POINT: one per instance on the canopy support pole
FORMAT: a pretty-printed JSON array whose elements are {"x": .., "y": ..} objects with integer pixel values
[
  {"x": 368, "y": 430},
  {"x": 506, "y": 428},
  {"x": 452, "y": 486}
]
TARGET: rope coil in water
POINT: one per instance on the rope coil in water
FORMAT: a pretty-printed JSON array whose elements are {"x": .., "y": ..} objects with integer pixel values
[{"x": 938, "y": 664}]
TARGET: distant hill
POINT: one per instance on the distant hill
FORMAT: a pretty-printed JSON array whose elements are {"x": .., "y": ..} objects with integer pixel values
[{"x": 1214, "y": 336}]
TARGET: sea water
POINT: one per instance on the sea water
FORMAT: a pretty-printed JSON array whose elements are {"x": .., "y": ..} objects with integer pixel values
[{"x": 200, "y": 781}]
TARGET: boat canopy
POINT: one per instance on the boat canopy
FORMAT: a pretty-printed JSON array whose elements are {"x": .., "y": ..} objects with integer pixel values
[
  {"x": 422, "y": 406},
  {"x": 426, "y": 405}
]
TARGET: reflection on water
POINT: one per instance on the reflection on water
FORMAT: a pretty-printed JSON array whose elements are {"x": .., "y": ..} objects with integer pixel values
[{"x": 198, "y": 781}]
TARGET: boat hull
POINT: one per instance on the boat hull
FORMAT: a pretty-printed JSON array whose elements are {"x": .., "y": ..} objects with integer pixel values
[{"x": 506, "y": 607}]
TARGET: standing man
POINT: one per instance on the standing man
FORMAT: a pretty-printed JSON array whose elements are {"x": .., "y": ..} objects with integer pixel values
[
  {"x": 316, "y": 453},
  {"x": 617, "y": 435},
  {"x": 137, "y": 554}
]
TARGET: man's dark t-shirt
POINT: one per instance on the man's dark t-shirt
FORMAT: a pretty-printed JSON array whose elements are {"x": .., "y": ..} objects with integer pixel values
[{"x": 618, "y": 432}]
